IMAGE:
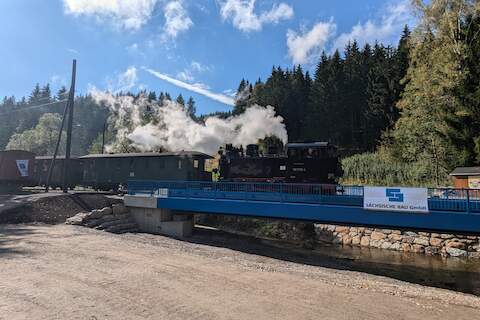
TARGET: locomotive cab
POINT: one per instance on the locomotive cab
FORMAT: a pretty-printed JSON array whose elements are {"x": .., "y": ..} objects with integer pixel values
[{"x": 313, "y": 162}]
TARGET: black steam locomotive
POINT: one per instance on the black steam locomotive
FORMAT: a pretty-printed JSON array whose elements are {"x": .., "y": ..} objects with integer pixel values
[{"x": 313, "y": 162}]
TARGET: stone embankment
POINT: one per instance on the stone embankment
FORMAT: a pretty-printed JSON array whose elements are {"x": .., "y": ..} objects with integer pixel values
[
  {"x": 115, "y": 219},
  {"x": 406, "y": 241}
]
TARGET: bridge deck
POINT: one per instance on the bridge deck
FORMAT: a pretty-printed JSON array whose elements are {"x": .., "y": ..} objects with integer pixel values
[{"x": 450, "y": 210}]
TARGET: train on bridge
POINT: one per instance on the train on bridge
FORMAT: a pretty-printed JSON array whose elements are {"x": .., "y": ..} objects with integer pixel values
[{"x": 315, "y": 162}]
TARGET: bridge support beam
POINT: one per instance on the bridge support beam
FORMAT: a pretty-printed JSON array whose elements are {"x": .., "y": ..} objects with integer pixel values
[{"x": 151, "y": 219}]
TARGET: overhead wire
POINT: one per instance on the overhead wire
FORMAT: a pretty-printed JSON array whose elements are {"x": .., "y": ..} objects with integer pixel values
[{"x": 20, "y": 109}]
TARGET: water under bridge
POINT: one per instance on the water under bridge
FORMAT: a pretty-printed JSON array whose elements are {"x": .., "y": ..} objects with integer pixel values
[{"x": 160, "y": 205}]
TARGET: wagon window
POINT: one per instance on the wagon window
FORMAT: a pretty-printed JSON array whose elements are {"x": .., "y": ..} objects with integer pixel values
[
  {"x": 195, "y": 164},
  {"x": 179, "y": 164}
]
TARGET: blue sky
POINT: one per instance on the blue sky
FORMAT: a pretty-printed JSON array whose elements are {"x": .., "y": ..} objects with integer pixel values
[{"x": 200, "y": 48}]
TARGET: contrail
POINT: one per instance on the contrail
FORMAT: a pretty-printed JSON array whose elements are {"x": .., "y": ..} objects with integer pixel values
[{"x": 193, "y": 87}]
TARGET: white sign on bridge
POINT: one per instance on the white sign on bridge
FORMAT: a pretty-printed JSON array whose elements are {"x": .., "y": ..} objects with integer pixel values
[{"x": 395, "y": 199}]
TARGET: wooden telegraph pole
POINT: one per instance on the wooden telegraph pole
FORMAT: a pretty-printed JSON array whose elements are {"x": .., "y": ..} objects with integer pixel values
[{"x": 71, "y": 99}]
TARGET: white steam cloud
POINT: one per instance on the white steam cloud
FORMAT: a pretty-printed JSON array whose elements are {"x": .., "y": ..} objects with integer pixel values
[{"x": 168, "y": 126}]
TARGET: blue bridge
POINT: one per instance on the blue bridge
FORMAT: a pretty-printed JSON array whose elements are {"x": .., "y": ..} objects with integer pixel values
[{"x": 449, "y": 210}]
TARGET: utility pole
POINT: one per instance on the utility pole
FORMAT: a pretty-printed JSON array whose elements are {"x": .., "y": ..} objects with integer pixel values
[
  {"x": 71, "y": 98},
  {"x": 103, "y": 136}
]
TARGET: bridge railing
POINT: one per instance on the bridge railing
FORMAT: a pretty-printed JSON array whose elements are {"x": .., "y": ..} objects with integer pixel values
[{"x": 440, "y": 199}]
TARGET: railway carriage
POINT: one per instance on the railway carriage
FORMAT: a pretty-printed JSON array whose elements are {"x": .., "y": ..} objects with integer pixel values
[{"x": 110, "y": 171}]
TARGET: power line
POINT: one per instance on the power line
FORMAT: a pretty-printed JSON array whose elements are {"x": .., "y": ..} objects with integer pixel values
[{"x": 33, "y": 107}]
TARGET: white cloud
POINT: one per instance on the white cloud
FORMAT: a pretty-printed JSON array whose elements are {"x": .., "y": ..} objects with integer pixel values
[
  {"x": 188, "y": 74},
  {"x": 243, "y": 17},
  {"x": 125, "y": 81},
  {"x": 176, "y": 19},
  {"x": 304, "y": 46},
  {"x": 126, "y": 14},
  {"x": 196, "y": 87},
  {"x": 387, "y": 30}
]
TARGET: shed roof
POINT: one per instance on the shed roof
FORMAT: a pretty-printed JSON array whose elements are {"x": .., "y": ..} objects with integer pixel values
[
  {"x": 148, "y": 154},
  {"x": 466, "y": 171}
]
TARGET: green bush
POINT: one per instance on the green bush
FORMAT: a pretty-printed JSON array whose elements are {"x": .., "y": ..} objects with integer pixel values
[{"x": 377, "y": 169}]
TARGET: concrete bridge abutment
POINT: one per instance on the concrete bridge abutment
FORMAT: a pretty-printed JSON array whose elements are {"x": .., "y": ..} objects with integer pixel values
[{"x": 151, "y": 219}]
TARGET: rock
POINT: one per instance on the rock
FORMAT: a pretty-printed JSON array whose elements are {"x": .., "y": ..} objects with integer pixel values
[
  {"x": 324, "y": 236},
  {"x": 446, "y": 236},
  {"x": 386, "y": 245},
  {"x": 356, "y": 240},
  {"x": 396, "y": 246},
  {"x": 354, "y": 229},
  {"x": 408, "y": 239},
  {"x": 361, "y": 229},
  {"x": 341, "y": 229},
  {"x": 474, "y": 255},
  {"x": 472, "y": 237},
  {"x": 395, "y": 237},
  {"x": 431, "y": 250},
  {"x": 95, "y": 214},
  {"x": 436, "y": 242},
  {"x": 466, "y": 241},
  {"x": 434, "y": 235},
  {"x": 410, "y": 234},
  {"x": 352, "y": 234},
  {"x": 376, "y": 243},
  {"x": 347, "y": 240},
  {"x": 114, "y": 223},
  {"x": 454, "y": 252},
  {"x": 424, "y": 234},
  {"x": 106, "y": 211},
  {"x": 418, "y": 248},
  {"x": 119, "y": 209},
  {"x": 336, "y": 240},
  {"x": 92, "y": 223},
  {"x": 377, "y": 236},
  {"x": 78, "y": 219},
  {"x": 385, "y": 231},
  {"x": 396, "y": 232},
  {"x": 368, "y": 231},
  {"x": 476, "y": 248},
  {"x": 422, "y": 240},
  {"x": 406, "y": 247},
  {"x": 455, "y": 245},
  {"x": 365, "y": 241}
]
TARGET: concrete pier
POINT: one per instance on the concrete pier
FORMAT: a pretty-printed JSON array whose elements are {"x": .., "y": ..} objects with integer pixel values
[{"x": 155, "y": 220}]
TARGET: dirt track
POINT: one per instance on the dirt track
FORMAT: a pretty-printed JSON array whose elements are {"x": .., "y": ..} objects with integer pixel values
[{"x": 65, "y": 272}]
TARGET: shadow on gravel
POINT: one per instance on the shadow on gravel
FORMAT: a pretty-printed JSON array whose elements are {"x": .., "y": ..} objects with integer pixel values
[
  {"x": 452, "y": 273},
  {"x": 9, "y": 236}
]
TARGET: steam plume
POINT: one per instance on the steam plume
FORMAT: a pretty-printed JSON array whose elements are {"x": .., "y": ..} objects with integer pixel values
[{"x": 150, "y": 126}]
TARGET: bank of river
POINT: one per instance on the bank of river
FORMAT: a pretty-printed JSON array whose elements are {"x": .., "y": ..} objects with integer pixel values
[{"x": 458, "y": 274}]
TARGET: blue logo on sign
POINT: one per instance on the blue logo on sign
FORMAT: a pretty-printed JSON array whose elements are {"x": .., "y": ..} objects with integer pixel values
[{"x": 394, "y": 195}]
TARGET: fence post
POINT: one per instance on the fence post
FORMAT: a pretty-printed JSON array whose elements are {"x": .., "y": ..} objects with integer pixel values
[
  {"x": 468, "y": 200},
  {"x": 281, "y": 192}
]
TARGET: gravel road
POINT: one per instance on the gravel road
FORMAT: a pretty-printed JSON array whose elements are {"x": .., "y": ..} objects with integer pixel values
[{"x": 67, "y": 272}]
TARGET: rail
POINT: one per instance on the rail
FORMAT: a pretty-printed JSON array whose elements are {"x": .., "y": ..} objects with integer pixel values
[{"x": 440, "y": 199}]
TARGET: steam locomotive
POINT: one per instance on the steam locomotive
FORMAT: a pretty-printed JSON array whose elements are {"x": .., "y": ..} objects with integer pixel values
[{"x": 310, "y": 162}]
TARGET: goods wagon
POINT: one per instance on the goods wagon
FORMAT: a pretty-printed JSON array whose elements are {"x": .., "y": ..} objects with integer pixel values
[
  {"x": 42, "y": 165},
  {"x": 110, "y": 171},
  {"x": 16, "y": 168}
]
